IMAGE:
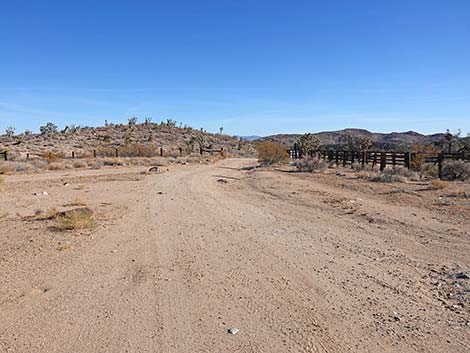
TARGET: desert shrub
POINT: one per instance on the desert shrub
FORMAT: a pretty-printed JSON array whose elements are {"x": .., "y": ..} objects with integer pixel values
[
  {"x": 159, "y": 161},
  {"x": 95, "y": 163},
  {"x": 437, "y": 184},
  {"x": 363, "y": 174},
  {"x": 138, "y": 150},
  {"x": 11, "y": 167},
  {"x": 79, "y": 164},
  {"x": 5, "y": 168},
  {"x": 430, "y": 170},
  {"x": 51, "y": 213},
  {"x": 76, "y": 220},
  {"x": 55, "y": 166},
  {"x": 390, "y": 175},
  {"x": 113, "y": 161},
  {"x": 38, "y": 164},
  {"x": 77, "y": 202},
  {"x": 271, "y": 153},
  {"x": 53, "y": 156},
  {"x": 310, "y": 164},
  {"x": 455, "y": 170}
]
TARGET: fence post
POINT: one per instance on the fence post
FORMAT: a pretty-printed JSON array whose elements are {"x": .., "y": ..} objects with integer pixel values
[
  {"x": 94, "y": 153},
  {"x": 336, "y": 158},
  {"x": 408, "y": 160},
  {"x": 440, "y": 159},
  {"x": 117, "y": 153},
  {"x": 27, "y": 155},
  {"x": 181, "y": 151},
  {"x": 161, "y": 151},
  {"x": 394, "y": 156},
  {"x": 364, "y": 156},
  {"x": 73, "y": 154},
  {"x": 5, "y": 155},
  {"x": 344, "y": 158},
  {"x": 383, "y": 160}
]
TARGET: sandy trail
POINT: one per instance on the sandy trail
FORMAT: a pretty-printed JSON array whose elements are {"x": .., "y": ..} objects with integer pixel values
[{"x": 189, "y": 256}]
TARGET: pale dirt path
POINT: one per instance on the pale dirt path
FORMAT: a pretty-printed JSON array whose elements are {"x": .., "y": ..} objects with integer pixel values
[{"x": 183, "y": 266}]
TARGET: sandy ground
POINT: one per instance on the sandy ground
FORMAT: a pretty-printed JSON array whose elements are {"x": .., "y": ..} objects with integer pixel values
[{"x": 296, "y": 262}]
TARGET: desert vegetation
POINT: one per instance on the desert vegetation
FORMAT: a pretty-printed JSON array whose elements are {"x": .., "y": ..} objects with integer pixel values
[
  {"x": 270, "y": 153},
  {"x": 56, "y": 149}
]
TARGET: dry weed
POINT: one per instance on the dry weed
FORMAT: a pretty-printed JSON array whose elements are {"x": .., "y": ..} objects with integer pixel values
[
  {"x": 271, "y": 153},
  {"x": 79, "y": 164},
  {"x": 437, "y": 184},
  {"x": 53, "y": 156},
  {"x": 55, "y": 166},
  {"x": 77, "y": 202},
  {"x": 51, "y": 213},
  {"x": 76, "y": 220}
]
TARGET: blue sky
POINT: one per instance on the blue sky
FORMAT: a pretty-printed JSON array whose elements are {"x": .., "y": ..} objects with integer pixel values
[{"x": 253, "y": 67}]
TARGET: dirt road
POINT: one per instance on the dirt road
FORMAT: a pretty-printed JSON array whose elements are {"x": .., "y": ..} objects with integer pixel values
[{"x": 178, "y": 258}]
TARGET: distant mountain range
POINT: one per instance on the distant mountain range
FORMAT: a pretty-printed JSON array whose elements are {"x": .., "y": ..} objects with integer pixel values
[{"x": 387, "y": 141}]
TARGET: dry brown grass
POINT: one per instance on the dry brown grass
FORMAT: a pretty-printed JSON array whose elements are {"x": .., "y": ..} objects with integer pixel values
[
  {"x": 51, "y": 213},
  {"x": 77, "y": 202},
  {"x": 437, "y": 184},
  {"x": 55, "y": 166},
  {"x": 5, "y": 169},
  {"x": 52, "y": 156},
  {"x": 363, "y": 174},
  {"x": 79, "y": 164},
  {"x": 76, "y": 220}
]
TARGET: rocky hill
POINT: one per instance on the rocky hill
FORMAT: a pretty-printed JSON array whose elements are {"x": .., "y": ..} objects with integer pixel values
[
  {"x": 387, "y": 141},
  {"x": 139, "y": 138}
]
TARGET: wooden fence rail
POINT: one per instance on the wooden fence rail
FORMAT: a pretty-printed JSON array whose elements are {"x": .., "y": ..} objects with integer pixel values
[
  {"x": 115, "y": 152},
  {"x": 381, "y": 158}
]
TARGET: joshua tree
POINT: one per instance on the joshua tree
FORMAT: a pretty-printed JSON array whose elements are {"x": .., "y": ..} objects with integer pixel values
[
  {"x": 10, "y": 131},
  {"x": 450, "y": 139},
  {"x": 148, "y": 121},
  {"x": 354, "y": 143},
  {"x": 132, "y": 121},
  {"x": 307, "y": 143},
  {"x": 221, "y": 130},
  {"x": 48, "y": 129}
]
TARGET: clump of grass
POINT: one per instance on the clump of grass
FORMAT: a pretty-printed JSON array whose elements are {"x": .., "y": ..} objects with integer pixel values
[
  {"x": 113, "y": 161},
  {"x": 80, "y": 164},
  {"x": 53, "y": 156},
  {"x": 437, "y": 184},
  {"x": 55, "y": 166},
  {"x": 76, "y": 220},
  {"x": 5, "y": 169},
  {"x": 51, "y": 213},
  {"x": 77, "y": 202},
  {"x": 362, "y": 174}
]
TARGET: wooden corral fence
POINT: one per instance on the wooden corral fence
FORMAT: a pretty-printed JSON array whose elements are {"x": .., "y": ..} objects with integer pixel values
[
  {"x": 114, "y": 152},
  {"x": 381, "y": 158}
]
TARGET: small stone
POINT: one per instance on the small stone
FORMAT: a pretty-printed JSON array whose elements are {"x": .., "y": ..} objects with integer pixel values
[
  {"x": 396, "y": 316},
  {"x": 233, "y": 330}
]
